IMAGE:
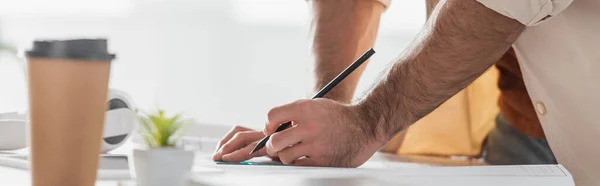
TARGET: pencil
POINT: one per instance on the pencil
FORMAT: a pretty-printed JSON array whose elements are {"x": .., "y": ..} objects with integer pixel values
[{"x": 322, "y": 92}]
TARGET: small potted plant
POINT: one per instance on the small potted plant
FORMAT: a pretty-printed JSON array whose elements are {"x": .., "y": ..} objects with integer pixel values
[{"x": 161, "y": 163}]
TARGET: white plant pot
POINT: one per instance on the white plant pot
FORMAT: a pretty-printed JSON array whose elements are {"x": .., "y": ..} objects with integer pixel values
[{"x": 162, "y": 166}]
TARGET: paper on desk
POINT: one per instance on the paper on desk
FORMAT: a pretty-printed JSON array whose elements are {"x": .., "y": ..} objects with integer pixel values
[
  {"x": 473, "y": 171},
  {"x": 552, "y": 175}
]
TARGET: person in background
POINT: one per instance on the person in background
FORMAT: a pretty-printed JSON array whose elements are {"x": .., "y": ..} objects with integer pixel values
[{"x": 344, "y": 29}]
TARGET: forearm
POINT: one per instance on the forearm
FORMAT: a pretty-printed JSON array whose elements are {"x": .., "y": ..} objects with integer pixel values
[
  {"x": 461, "y": 39},
  {"x": 343, "y": 30}
]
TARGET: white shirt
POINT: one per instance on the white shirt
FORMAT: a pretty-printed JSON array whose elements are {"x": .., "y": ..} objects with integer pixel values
[{"x": 559, "y": 55}]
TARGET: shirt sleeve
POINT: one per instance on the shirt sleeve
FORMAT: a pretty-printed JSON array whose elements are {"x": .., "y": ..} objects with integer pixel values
[{"x": 528, "y": 12}]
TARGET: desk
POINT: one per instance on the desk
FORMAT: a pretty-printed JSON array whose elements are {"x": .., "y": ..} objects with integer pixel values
[
  {"x": 386, "y": 169},
  {"x": 11, "y": 176},
  {"x": 17, "y": 177},
  {"x": 425, "y": 160}
]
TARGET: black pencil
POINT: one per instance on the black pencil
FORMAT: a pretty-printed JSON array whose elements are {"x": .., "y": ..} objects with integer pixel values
[{"x": 322, "y": 92}]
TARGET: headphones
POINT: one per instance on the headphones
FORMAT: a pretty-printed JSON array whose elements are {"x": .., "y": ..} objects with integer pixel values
[{"x": 120, "y": 120}]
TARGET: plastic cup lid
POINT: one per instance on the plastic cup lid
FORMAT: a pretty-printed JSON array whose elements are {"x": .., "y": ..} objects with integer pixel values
[{"x": 79, "y": 49}]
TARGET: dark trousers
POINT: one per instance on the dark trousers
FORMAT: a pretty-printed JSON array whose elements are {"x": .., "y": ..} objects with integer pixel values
[{"x": 507, "y": 146}]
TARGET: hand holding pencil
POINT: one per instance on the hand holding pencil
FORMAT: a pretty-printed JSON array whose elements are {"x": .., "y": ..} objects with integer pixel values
[{"x": 312, "y": 139}]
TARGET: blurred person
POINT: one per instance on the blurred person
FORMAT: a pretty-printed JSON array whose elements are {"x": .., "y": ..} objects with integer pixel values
[
  {"x": 555, "y": 42},
  {"x": 346, "y": 28}
]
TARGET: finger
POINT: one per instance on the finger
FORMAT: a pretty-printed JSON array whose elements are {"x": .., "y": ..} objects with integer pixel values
[
  {"x": 244, "y": 154},
  {"x": 238, "y": 141},
  {"x": 229, "y": 135},
  {"x": 282, "y": 114},
  {"x": 274, "y": 158},
  {"x": 305, "y": 161},
  {"x": 291, "y": 154},
  {"x": 284, "y": 139}
]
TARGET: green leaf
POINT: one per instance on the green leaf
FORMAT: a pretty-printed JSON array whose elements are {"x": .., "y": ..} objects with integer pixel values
[
  {"x": 180, "y": 130},
  {"x": 147, "y": 140},
  {"x": 159, "y": 130},
  {"x": 146, "y": 126}
]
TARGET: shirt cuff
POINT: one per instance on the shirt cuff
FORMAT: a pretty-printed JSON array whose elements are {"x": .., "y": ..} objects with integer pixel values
[{"x": 528, "y": 12}]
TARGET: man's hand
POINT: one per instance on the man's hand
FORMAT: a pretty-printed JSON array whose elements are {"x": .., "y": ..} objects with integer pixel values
[
  {"x": 324, "y": 133},
  {"x": 237, "y": 145}
]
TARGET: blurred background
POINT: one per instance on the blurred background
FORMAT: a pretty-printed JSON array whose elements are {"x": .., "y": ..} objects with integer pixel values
[{"x": 222, "y": 62}]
